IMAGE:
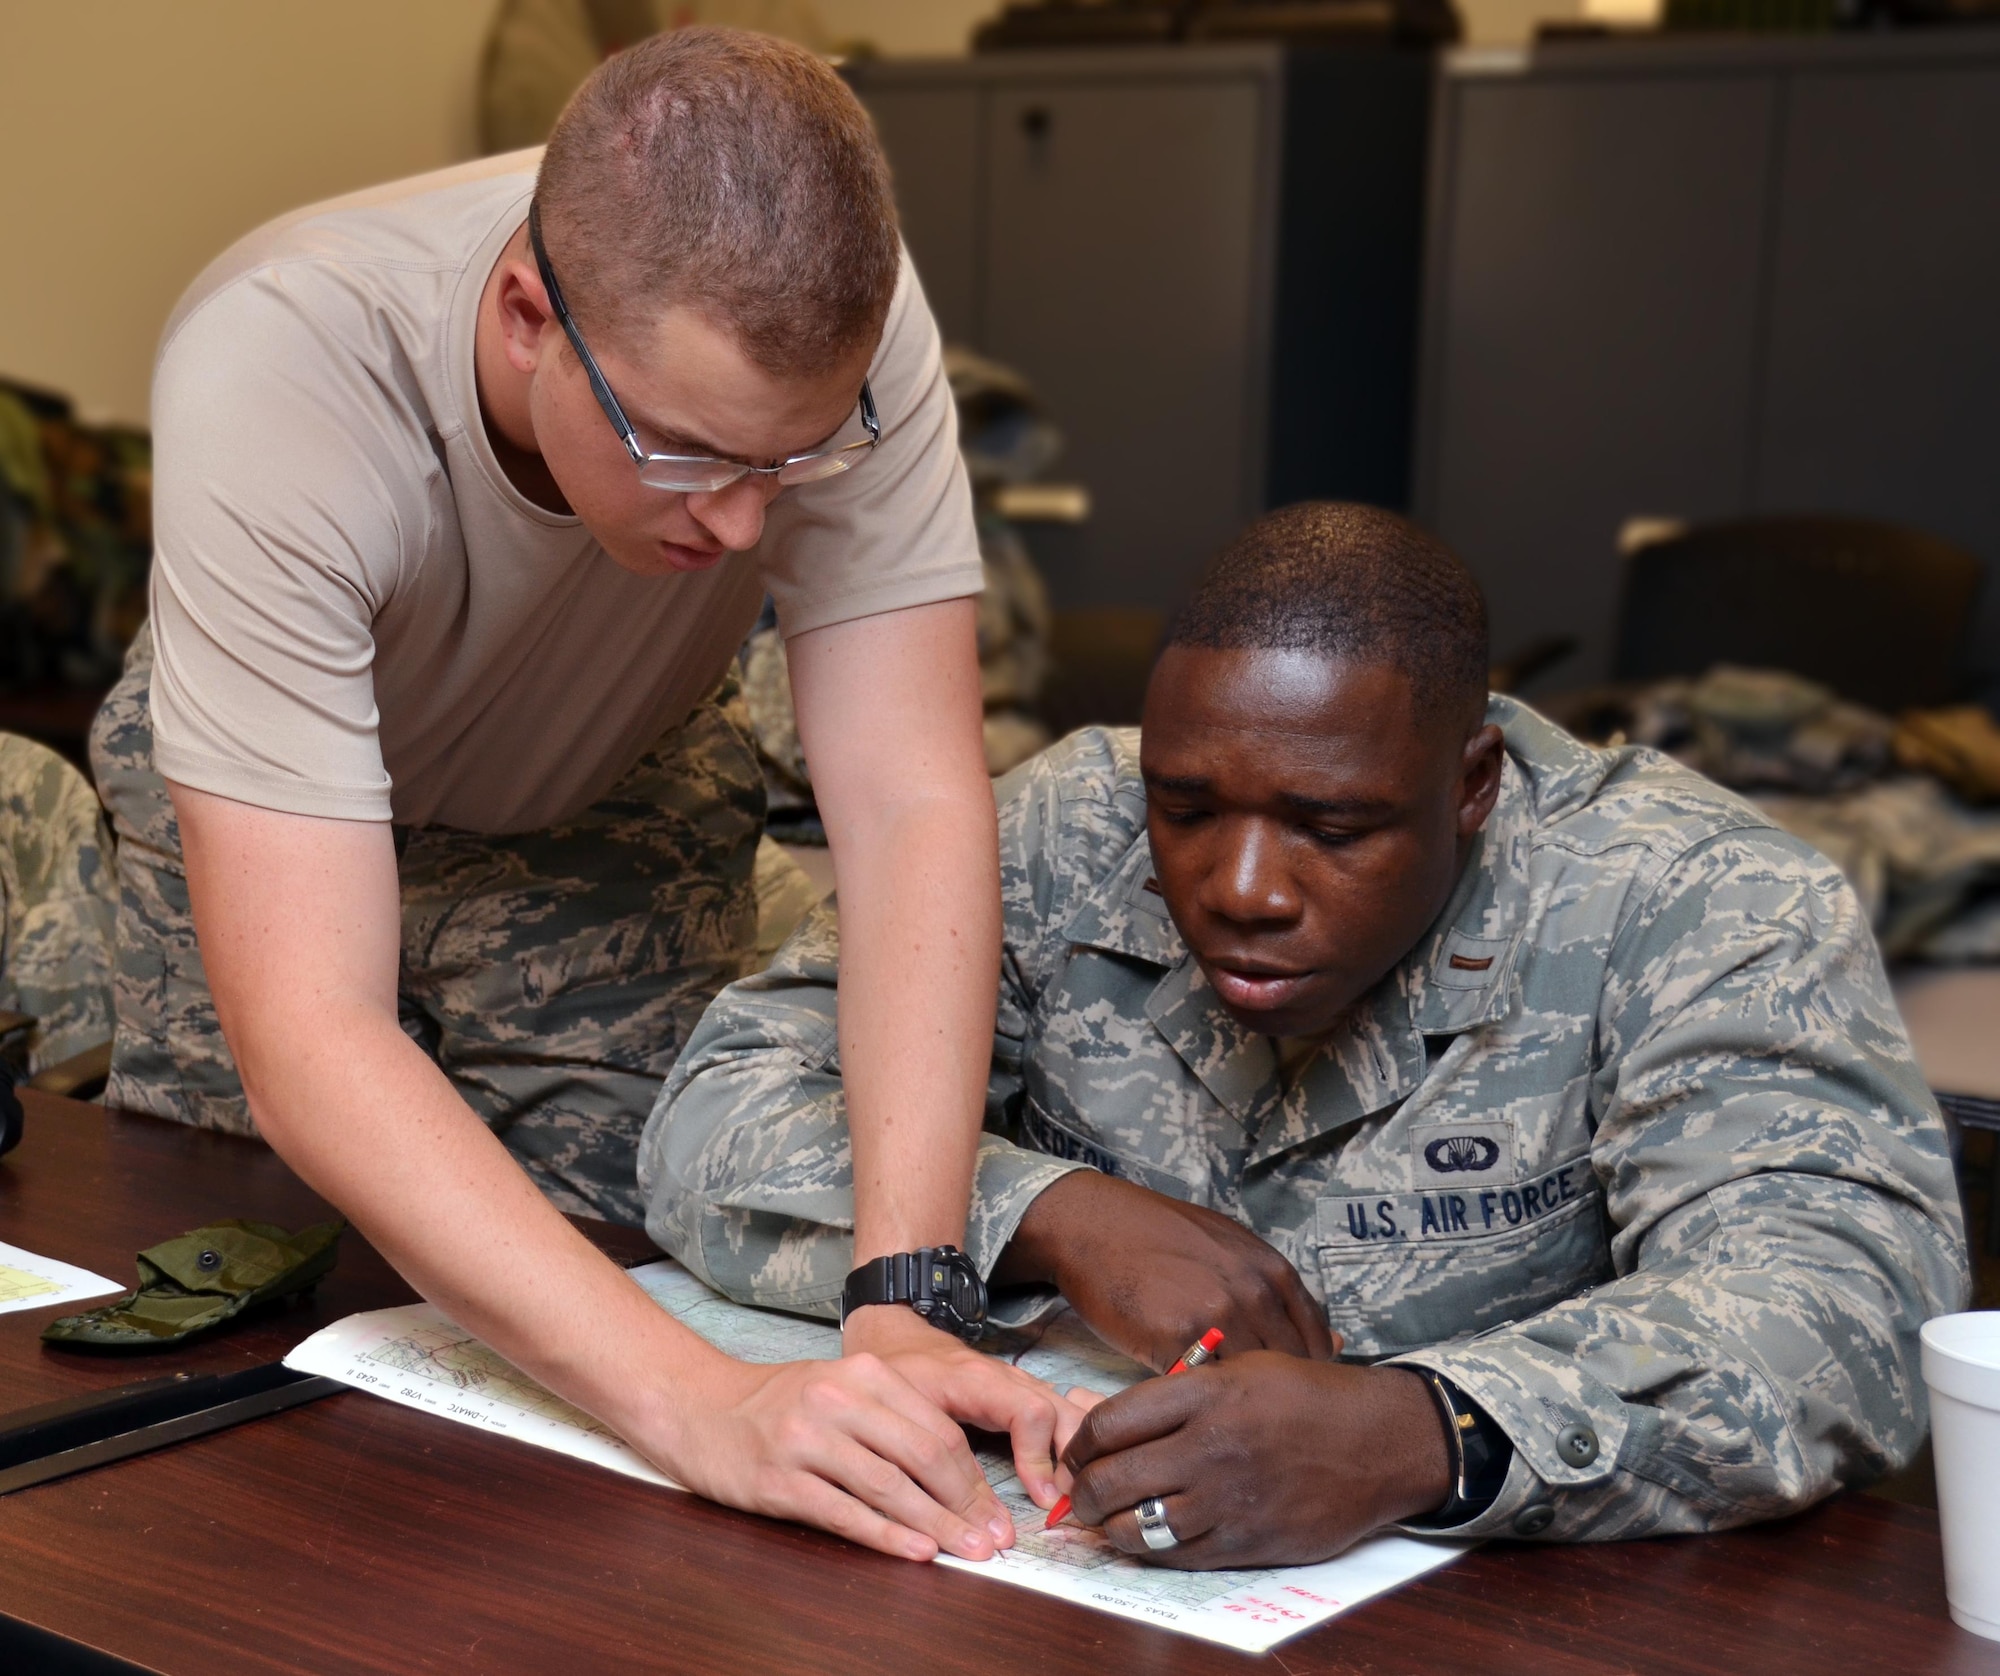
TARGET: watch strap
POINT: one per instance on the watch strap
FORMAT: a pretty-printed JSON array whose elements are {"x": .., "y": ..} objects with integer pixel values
[
  {"x": 883, "y": 1280},
  {"x": 1481, "y": 1454}
]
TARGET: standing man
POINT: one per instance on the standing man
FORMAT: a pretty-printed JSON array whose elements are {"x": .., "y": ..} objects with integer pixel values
[{"x": 436, "y": 796}]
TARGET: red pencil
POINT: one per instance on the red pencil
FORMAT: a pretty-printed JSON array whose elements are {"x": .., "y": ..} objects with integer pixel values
[{"x": 1192, "y": 1357}]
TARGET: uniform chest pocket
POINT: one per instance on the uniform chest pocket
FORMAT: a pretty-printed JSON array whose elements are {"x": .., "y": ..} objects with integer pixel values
[{"x": 1403, "y": 1270}]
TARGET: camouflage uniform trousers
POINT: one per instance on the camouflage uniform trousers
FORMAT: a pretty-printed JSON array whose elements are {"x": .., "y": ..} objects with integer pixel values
[
  {"x": 553, "y": 975},
  {"x": 57, "y": 902}
]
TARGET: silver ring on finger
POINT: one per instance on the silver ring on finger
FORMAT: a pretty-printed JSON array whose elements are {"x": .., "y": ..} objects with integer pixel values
[{"x": 1154, "y": 1530}]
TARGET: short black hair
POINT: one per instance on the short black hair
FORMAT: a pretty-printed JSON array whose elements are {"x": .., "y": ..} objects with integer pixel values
[{"x": 1349, "y": 581}]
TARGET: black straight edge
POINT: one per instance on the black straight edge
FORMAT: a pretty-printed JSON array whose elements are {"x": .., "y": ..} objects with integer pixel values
[
  {"x": 71, "y": 1422},
  {"x": 29, "y": 1647},
  {"x": 120, "y": 1442}
]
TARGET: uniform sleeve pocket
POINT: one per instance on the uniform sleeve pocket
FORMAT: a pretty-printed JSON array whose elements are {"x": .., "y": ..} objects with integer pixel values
[{"x": 1042, "y": 1131}]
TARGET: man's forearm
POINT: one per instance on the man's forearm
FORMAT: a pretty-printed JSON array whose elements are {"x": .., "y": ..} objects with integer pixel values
[
  {"x": 889, "y": 713},
  {"x": 919, "y": 963},
  {"x": 424, "y": 1180},
  {"x": 299, "y": 924}
]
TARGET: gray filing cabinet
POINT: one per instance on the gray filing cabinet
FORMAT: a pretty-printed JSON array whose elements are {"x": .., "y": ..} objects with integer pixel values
[
  {"x": 1698, "y": 279},
  {"x": 1204, "y": 258}
]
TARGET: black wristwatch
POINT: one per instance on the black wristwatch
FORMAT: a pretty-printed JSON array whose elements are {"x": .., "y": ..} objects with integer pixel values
[
  {"x": 1481, "y": 1453},
  {"x": 938, "y": 1282}
]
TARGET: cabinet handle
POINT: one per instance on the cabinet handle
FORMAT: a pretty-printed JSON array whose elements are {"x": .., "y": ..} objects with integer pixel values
[{"x": 1035, "y": 122}]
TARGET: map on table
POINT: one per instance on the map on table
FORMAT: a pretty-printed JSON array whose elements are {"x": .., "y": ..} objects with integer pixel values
[
  {"x": 31, "y": 1281},
  {"x": 416, "y": 1357}
]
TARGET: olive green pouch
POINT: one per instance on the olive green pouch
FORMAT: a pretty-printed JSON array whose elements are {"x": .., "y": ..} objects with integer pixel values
[{"x": 202, "y": 1279}]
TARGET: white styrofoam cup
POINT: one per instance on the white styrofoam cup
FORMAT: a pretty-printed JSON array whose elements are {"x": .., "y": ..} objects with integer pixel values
[{"x": 1962, "y": 1369}]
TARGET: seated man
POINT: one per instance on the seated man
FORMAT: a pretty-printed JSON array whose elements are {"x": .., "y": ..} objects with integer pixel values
[{"x": 1356, "y": 1012}]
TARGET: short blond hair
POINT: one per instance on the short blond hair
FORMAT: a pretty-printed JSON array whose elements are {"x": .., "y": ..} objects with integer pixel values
[{"x": 730, "y": 173}]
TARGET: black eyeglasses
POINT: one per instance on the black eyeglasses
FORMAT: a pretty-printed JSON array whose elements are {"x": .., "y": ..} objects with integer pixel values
[{"x": 693, "y": 474}]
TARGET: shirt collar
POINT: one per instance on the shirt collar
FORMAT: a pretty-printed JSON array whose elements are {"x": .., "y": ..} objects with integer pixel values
[
  {"x": 1461, "y": 972},
  {"x": 1126, "y": 914}
]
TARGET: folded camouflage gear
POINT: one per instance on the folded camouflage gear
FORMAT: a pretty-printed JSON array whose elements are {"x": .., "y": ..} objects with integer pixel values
[
  {"x": 75, "y": 540},
  {"x": 1758, "y": 728},
  {"x": 1960, "y": 746},
  {"x": 1926, "y": 868},
  {"x": 1925, "y": 865},
  {"x": 202, "y": 1279}
]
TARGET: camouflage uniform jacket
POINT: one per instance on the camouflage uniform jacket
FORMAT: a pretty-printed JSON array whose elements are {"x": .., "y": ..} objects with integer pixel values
[{"x": 1631, "y": 1145}]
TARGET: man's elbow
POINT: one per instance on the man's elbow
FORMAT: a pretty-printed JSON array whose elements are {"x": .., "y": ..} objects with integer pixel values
[{"x": 733, "y": 1140}]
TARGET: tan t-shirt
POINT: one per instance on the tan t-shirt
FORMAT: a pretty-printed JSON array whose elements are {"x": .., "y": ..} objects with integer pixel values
[{"x": 356, "y": 614}]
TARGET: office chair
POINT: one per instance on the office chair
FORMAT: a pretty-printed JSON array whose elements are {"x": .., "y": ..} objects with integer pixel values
[{"x": 1874, "y": 611}]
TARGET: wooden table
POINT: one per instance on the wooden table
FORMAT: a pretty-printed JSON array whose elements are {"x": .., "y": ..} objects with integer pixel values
[{"x": 351, "y": 1535}]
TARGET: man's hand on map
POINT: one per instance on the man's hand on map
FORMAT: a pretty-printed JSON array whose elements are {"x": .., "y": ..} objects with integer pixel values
[
  {"x": 849, "y": 1445},
  {"x": 974, "y": 1389},
  {"x": 1151, "y": 1274},
  {"x": 1261, "y": 1459}
]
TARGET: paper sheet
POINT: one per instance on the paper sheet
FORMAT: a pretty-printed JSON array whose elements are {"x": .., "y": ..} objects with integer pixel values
[
  {"x": 416, "y": 1357},
  {"x": 31, "y": 1281}
]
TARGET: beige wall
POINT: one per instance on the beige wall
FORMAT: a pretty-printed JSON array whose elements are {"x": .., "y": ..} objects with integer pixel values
[
  {"x": 1495, "y": 23},
  {"x": 139, "y": 138},
  {"x": 908, "y": 28}
]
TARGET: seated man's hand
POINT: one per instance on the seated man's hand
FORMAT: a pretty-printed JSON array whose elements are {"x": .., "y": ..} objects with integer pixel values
[
  {"x": 1151, "y": 1274},
  {"x": 975, "y": 1389},
  {"x": 850, "y": 1445},
  {"x": 1261, "y": 1460}
]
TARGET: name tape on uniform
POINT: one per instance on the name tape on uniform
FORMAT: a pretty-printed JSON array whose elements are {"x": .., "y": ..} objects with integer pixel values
[{"x": 1448, "y": 1214}]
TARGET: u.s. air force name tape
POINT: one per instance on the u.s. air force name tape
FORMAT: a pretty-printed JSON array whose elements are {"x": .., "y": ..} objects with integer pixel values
[{"x": 1471, "y": 1212}]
